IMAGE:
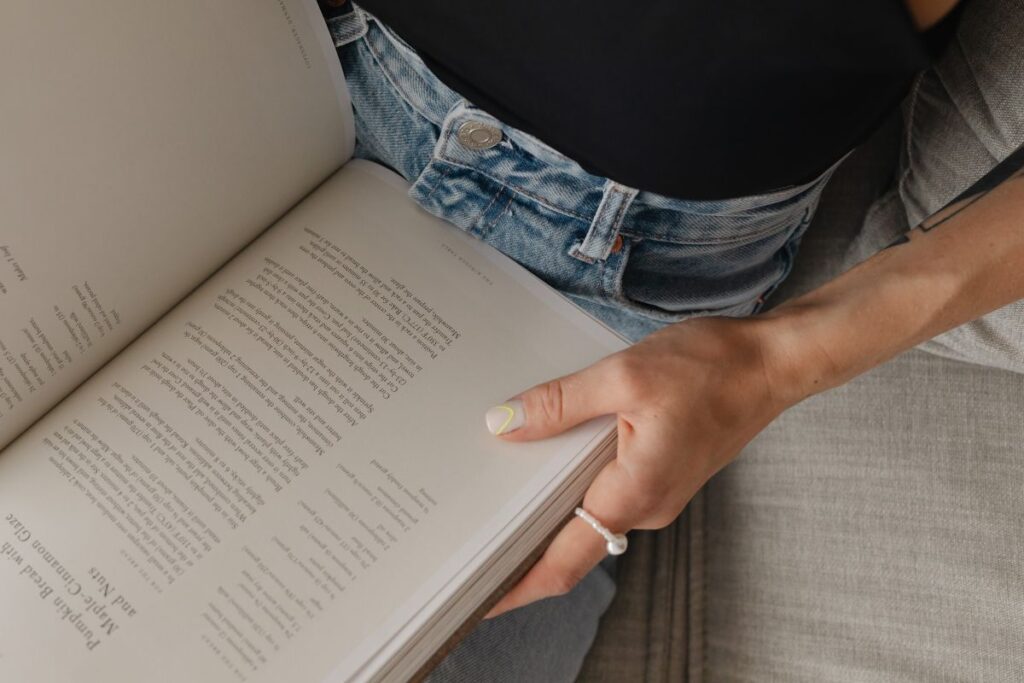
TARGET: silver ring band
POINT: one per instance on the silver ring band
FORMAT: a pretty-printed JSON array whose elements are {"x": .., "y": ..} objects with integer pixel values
[{"x": 616, "y": 543}]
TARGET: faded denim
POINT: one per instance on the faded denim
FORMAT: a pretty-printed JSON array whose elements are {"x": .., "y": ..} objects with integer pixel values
[{"x": 634, "y": 259}]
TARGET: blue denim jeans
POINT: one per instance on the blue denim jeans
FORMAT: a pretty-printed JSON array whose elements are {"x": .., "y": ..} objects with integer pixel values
[{"x": 634, "y": 259}]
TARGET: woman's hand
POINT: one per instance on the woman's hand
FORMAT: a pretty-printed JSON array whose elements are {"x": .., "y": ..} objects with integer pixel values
[
  {"x": 691, "y": 396},
  {"x": 688, "y": 398}
]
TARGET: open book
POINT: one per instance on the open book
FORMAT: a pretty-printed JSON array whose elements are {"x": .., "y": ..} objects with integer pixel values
[{"x": 241, "y": 390}]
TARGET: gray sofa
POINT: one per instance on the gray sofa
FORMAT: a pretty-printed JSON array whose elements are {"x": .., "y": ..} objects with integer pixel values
[{"x": 872, "y": 533}]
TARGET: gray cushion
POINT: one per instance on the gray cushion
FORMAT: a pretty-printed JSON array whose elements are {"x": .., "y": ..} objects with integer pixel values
[
  {"x": 874, "y": 533},
  {"x": 643, "y": 636}
]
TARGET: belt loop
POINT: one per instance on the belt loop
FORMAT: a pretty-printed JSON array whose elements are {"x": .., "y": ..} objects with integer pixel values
[
  {"x": 604, "y": 228},
  {"x": 348, "y": 27}
]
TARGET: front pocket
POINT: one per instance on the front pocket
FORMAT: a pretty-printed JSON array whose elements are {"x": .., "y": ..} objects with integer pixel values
[{"x": 673, "y": 281}]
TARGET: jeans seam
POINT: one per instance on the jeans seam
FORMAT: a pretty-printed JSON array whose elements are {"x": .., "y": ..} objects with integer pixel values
[
  {"x": 366, "y": 129},
  {"x": 613, "y": 277},
  {"x": 515, "y": 188},
  {"x": 394, "y": 38},
  {"x": 601, "y": 230},
  {"x": 393, "y": 80},
  {"x": 433, "y": 188},
  {"x": 621, "y": 212},
  {"x": 501, "y": 191},
  {"x": 711, "y": 241},
  {"x": 489, "y": 225},
  {"x": 808, "y": 201}
]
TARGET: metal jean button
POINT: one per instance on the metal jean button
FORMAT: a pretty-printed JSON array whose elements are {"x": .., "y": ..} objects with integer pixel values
[{"x": 478, "y": 135}]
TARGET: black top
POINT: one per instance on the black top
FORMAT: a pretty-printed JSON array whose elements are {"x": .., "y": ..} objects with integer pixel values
[{"x": 709, "y": 99}]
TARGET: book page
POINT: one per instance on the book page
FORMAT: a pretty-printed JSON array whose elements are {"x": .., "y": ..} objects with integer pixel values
[
  {"x": 142, "y": 143},
  {"x": 292, "y": 462}
]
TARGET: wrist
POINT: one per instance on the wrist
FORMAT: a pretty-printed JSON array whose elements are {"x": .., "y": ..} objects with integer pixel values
[
  {"x": 859, "y": 320},
  {"x": 796, "y": 364}
]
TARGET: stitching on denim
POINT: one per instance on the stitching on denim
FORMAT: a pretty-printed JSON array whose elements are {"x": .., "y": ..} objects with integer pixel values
[
  {"x": 626, "y": 202},
  {"x": 614, "y": 288},
  {"x": 709, "y": 241},
  {"x": 515, "y": 188},
  {"x": 489, "y": 227},
  {"x": 338, "y": 37},
  {"x": 443, "y": 172},
  {"x": 367, "y": 130},
  {"x": 810, "y": 199},
  {"x": 504, "y": 211},
  {"x": 616, "y": 291},
  {"x": 393, "y": 80},
  {"x": 358, "y": 16},
  {"x": 397, "y": 41},
  {"x": 546, "y": 203},
  {"x": 444, "y": 139},
  {"x": 442, "y": 155},
  {"x": 501, "y": 191},
  {"x": 578, "y": 250},
  {"x": 788, "y": 252},
  {"x": 807, "y": 202}
]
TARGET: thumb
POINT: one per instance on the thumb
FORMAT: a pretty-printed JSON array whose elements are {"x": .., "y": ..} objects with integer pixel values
[{"x": 553, "y": 407}]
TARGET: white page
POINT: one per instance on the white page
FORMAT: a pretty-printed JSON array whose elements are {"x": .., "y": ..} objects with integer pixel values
[
  {"x": 142, "y": 143},
  {"x": 282, "y": 591}
]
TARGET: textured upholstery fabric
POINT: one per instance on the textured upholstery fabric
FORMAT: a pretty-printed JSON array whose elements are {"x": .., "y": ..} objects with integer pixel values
[
  {"x": 643, "y": 637},
  {"x": 874, "y": 533}
]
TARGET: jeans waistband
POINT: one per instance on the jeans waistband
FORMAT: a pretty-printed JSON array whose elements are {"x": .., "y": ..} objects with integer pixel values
[{"x": 446, "y": 109}]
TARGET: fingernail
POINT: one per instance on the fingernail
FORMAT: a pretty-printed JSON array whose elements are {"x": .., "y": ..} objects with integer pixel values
[{"x": 507, "y": 417}]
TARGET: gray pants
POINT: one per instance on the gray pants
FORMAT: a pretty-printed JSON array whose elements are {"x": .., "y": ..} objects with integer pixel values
[
  {"x": 542, "y": 642},
  {"x": 962, "y": 118}
]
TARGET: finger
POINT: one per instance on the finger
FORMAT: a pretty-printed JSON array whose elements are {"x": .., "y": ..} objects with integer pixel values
[
  {"x": 574, "y": 552},
  {"x": 577, "y": 548},
  {"x": 553, "y": 407}
]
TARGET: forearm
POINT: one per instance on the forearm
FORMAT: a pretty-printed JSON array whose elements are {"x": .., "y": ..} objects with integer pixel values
[{"x": 966, "y": 261}]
